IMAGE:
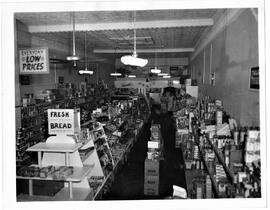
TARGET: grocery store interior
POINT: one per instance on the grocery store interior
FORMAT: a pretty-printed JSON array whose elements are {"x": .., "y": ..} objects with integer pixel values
[{"x": 137, "y": 105}]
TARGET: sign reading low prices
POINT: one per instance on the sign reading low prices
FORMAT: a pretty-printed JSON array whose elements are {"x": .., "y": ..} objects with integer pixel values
[
  {"x": 61, "y": 121},
  {"x": 34, "y": 61}
]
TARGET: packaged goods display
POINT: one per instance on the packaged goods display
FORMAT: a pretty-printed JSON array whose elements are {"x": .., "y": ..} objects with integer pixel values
[
  {"x": 236, "y": 153},
  {"x": 228, "y": 157},
  {"x": 110, "y": 134},
  {"x": 48, "y": 172}
]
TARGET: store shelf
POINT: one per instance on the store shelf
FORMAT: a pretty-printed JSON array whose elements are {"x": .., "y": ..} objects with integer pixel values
[
  {"x": 100, "y": 188},
  {"x": 78, "y": 174},
  {"x": 214, "y": 184},
  {"x": 86, "y": 123},
  {"x": 45, "y": 147},
  {"x": 87, "y": 156},
  {"x": 227, "y": 170}
]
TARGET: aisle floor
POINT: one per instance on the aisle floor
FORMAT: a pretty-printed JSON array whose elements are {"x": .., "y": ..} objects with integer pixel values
[{"x": 129, "y": 181}]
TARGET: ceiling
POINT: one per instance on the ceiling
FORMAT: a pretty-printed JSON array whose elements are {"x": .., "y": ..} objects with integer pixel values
[{"x": 179, "y": 30}]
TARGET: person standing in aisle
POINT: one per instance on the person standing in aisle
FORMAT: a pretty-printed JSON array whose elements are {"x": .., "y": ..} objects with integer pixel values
[{"x": 171, "y": 100}]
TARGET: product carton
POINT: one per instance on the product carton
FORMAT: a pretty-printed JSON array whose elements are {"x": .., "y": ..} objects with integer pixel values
[
  {"x": 151, "y": 185},
  {"x": 188, "y": 82},
  {"x": 151, "y": 168},
  {"x": 151, "y": 190},
  {"x": 151, "y": 181},
  {"x": 236, "y": 156},
  {"x": 153, "y": 144}
]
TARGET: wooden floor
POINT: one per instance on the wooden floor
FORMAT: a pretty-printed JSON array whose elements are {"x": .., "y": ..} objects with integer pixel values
[{"x": 129, "y": 182}]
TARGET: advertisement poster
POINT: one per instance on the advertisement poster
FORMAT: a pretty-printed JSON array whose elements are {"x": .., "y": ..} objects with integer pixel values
[
  {"x": 34, "y": 61},
  {"x": 254, "y": 81}
]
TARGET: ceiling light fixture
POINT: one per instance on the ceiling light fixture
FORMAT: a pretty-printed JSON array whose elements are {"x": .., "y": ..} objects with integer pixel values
[
  {"x": 73, "y": 57},
  {"x": 163, "y": 74},
  {"x": 131, "y": 76},
  {"x": 133, "y": 59},
  {"x": 85, "y": 70},
  {"x": 167, "y": 76},
  {"x": 155, "y": 70},
  {"x": 115, "y": 74}
]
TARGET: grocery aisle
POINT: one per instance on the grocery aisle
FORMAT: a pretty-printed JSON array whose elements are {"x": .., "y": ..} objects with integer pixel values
[{"x": 129, "y": 182}]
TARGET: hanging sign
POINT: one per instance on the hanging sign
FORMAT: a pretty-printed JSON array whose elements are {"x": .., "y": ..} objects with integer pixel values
[
  {"x": 34, "y": 61},
  {"x": 61, "y": 121}
]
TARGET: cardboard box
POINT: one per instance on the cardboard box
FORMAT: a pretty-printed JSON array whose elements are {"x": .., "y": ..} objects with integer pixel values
[
  {"x": 150, "y": 190},
  {"x": 151, "y": 181},
  {"x": 153, "y": 144},
  {"x": 188, "y": 82},
  {"x": 151, "y": 168},
  {"x": 236, "y": 156}
]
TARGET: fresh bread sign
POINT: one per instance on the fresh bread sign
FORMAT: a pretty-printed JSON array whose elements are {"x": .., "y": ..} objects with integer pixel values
[
  {"x": 34, "y": 61},
  {"x": 61, "y": 121}
]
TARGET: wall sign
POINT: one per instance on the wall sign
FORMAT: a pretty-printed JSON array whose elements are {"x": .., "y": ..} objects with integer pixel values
[
  {"x": 254, "y": 81},
  {"x": 34, "y": 61},
  {"x": 61, "y": 121}
]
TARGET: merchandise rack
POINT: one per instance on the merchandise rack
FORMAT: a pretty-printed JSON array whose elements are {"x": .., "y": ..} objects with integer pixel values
[
  {"x": 78, "y": 177},
  {"x": 227, "y": 170},
  {"x": 118, "y": 164},
  {"x": 214, "y": 184}
]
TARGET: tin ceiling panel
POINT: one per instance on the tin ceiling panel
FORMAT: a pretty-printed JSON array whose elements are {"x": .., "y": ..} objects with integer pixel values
[
  {"x": 48, "y": 18},
  {"x": 148, "y": 38}
]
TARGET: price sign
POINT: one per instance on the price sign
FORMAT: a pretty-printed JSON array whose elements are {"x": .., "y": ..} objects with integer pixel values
[
  {"x": 61, "y": 121},
  {"x": 34, "y": 61}
]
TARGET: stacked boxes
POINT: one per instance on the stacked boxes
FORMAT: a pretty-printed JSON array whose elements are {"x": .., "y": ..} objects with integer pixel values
[
  {"x": 252, "y": 149},
  {"x": 220, "y": 173},
  {"x": 151, "y": 180},
  {"x": 154, "y": 145}
]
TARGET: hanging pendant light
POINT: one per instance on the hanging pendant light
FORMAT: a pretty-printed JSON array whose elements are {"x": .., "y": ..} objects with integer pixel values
[
  {"x": 133, "y": 59},
  {"x": 85, "y": 70},
  {"x": 115, "y": 74},
  {"x": 73, "y": 57},
  {"x": 155, "y": 70}
]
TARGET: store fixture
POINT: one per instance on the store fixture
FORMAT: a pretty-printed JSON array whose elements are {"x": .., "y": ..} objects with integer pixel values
[
  {"x": 73, "y": 57},
  {"x": 133, "y": 59},
  {"x": 60, "y": 160}
]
